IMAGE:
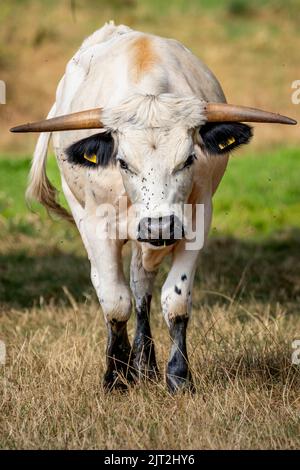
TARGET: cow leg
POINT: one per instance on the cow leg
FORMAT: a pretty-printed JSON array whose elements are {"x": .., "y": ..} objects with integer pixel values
[
  {"x": 115, "y": 299},
  {"x": 143, "y": 352},
  {"x": 117, "y": 356},
  {"x": 176, "y": 304},
  {"x": 113, "y": 293}
]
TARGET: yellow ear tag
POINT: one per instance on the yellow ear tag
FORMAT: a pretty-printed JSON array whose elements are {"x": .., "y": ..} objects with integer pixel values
[
  {"x": 92, "y": 158},
  {"x": 228, "y": 142}
]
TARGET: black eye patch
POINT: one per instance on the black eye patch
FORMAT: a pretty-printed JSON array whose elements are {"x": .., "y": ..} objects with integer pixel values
[
  {"x": 225, "y": 137},
  {"x": 93, "y": 151}
]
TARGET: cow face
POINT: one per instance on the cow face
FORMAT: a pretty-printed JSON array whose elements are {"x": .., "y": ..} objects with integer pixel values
[
  {"x": 158, "y": 167},
  {"x": 157, "y": 170}
]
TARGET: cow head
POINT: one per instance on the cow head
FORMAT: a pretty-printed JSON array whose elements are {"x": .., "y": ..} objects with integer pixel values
[
  {"x": 160, "y": 141},
  {"x": 157, "y": 142}
]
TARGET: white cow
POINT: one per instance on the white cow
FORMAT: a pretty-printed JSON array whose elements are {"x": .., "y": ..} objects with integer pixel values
[{"x": 164, "y": 139}]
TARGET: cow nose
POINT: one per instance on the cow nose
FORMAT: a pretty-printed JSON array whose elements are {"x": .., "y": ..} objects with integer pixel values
[{"x": 161, "y": 230}]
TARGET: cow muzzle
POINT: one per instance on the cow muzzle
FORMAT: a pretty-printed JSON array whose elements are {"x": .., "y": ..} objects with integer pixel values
[{"x": 160, "y": 231}]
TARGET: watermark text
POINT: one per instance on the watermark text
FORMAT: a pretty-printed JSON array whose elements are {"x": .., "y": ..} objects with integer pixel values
[
  {"x": 2, "y": 92},
  {"x": 2, "y": 353},
  {"x": 296, "y": 93}
]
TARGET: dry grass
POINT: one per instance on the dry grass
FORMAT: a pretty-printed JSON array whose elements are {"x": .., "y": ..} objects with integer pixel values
[
  {"x": 247, "y": 390},
  {"x": 240, "y": 348}
]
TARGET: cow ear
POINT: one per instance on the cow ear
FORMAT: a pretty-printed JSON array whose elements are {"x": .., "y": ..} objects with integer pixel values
[
  {"x": 224, "y": 137},
  {"x": 96, "y": 150}
]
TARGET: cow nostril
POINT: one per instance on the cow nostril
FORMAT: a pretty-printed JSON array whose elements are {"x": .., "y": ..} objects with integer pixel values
[
  {"x": 182, "y": 232},
  {"x": 163, "y": 230},
  {"x": 172, "y": 226}
]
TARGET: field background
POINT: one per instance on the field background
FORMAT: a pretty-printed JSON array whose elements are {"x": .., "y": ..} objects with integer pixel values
[{"x": 247, "y": 290}]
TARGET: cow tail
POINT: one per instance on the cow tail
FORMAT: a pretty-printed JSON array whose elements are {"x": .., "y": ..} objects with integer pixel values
[{"x": 39, "y": 186}]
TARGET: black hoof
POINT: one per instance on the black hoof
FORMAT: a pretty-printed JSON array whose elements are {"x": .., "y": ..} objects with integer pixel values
[
  {"x": 115, "y": 380},
  {"x": 118, "y": 359},
  {"x": 179, "y": 377},
  {"x": 143, "y": 351}
]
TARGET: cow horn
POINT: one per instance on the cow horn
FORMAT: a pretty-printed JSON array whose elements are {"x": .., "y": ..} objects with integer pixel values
[
  {"x": 215, "y": 112},
  {"x": 222, "y": 112},
  {"x": 89, "y": 119}
]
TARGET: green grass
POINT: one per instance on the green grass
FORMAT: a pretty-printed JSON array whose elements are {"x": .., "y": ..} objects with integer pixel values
[{"x": 259, "y": 195}]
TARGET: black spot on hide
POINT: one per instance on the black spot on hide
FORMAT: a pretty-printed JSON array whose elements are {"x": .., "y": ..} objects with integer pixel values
[{"x": 177, "y": 290}]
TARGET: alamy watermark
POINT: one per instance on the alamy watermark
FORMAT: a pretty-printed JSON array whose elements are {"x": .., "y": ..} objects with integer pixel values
[
  {"x": 2, "y": 353},
  {"x": 163, "y": 226},
  {"x": 296, "y": 94},
  {"x": 2, "y": 92},
  {"x": 296, "y": 352}
]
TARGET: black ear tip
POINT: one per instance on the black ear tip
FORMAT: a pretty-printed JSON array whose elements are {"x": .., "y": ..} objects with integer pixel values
[
  {"x": 94, "y": 151},
  {"x": 224, "y": 137}
]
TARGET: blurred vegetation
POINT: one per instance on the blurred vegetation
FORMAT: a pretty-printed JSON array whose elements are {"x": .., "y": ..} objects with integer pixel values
[
  {"x": 259, "y": 194},
  {"x": 252, "y": 47}
]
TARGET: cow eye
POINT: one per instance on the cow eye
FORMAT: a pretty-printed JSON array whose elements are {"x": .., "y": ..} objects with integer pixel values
[
  {"x": 123, "y": 164},
  {"x": 190, "y": 159}
]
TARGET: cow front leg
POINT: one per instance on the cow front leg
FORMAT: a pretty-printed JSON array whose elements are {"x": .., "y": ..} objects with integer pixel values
[
  {"x": 115, "y": 299},
  {"x": 143, "y": 351},
  {"x": 107, "y": 277},
  {"x": 178, "y": 375},
  {"x": 176, "y": 305},
  {"x": 117, "y": 356}
]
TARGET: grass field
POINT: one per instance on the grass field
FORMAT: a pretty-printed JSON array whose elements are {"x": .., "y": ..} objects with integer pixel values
[{"x": 247, "y": 289}]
